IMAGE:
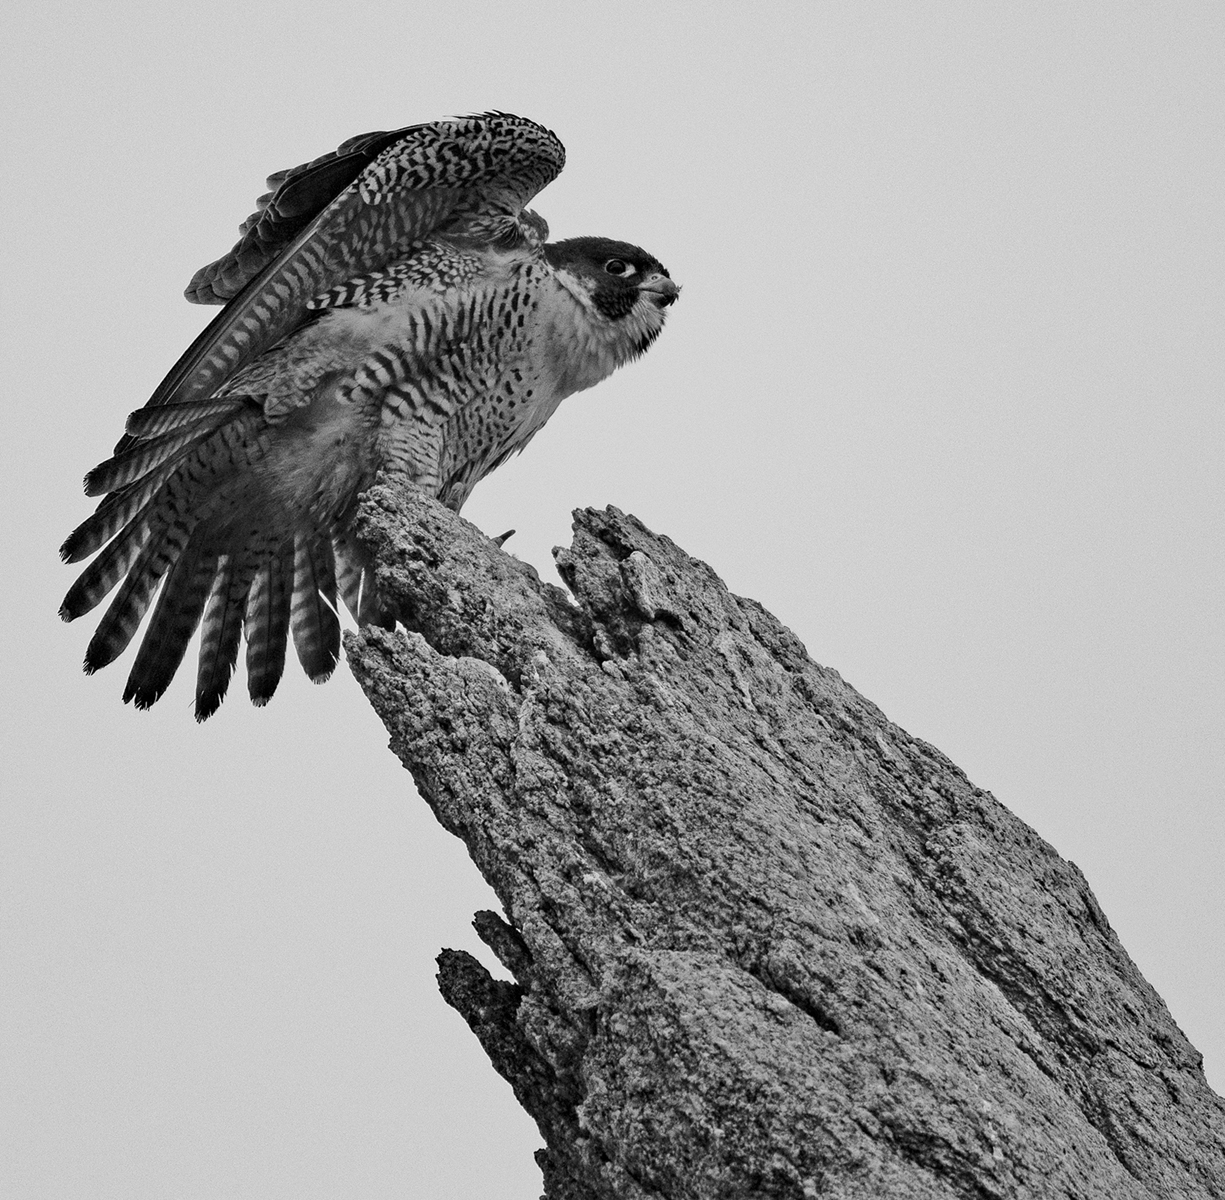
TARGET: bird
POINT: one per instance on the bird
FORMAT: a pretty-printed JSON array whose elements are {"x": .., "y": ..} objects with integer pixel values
[{"x": 391, "y": 308}]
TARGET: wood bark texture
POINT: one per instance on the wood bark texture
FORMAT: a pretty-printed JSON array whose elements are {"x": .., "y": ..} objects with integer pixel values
[{"x": 764, "y": 942}]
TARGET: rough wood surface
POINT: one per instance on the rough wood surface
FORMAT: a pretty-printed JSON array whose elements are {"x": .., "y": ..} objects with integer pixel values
[{"x": 765, "y": 942}]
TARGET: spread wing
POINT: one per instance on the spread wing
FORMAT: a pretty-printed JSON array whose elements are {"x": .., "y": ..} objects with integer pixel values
[
  {"x": 294, "y": 198},
  {"x": 351, "y": 212}
]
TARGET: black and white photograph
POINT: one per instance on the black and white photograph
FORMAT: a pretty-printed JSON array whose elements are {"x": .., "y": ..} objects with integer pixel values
[{"x": 613, "y": 601}]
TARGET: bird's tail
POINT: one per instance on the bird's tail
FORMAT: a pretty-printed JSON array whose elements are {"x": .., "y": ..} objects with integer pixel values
[{"x": 192, "y": 505}]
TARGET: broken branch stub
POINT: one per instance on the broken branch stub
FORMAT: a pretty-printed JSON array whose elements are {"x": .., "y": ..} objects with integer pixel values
[{"x": 764, "y": 942}]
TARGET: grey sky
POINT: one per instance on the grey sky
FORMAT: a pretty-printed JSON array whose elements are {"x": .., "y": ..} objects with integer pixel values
[{"x": 943, "y": 391}]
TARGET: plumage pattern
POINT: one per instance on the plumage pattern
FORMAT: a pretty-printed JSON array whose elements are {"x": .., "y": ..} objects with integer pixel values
[{"x": 392, "y": 306}]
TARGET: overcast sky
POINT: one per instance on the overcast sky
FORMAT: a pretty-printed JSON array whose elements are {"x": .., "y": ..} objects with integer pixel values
[{"x": 943, "y": 391}]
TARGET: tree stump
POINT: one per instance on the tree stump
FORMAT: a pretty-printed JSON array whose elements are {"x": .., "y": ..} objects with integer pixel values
[{"x": 764, "y": 942}]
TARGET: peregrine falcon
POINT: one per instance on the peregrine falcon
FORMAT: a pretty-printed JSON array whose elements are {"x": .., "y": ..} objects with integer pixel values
[{"x": 391, "y": 306}]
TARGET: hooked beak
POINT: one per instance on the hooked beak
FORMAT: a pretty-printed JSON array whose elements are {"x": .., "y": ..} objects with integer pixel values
[{"x": 660, "y": 288}]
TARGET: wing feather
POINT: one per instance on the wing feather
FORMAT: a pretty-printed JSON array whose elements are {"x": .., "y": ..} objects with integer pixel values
[
  {"x": 314, "y": 621},
  {"x": 189, "y": 582},
  {"x": 295, "y": 197},
  {"x": 469, "y": 177},
  {"x": 267, "y": 623},
  {"x": 222, "y": 629}
]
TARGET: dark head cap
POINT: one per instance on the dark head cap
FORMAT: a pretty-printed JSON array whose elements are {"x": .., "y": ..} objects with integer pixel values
[{"x": 617, "y": 273}]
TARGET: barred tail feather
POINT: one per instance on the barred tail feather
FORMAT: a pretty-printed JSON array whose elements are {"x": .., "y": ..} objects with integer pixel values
[
  {"x": 136, "y": 482},
  {"x": 267, "y": 623},
  {"x": 123, "y": 617},
  {"x": 355, "y": 580},
  {"x": 142, "y": 458},
  {"x": 349, "y": 572},
  {"x": 174, "y": 621},
  {"x": 116, "y": 510},
  {"x": 313, "y": 616},
  {"x": 222, "y": 632},
  {"x": 241, "y": 525},
  {"x": 106, "y": 570},
  {"x": 154, "y": 422}
]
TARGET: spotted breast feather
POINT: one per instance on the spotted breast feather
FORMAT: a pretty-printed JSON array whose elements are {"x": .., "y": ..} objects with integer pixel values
[{"x": 393, "y": 306}]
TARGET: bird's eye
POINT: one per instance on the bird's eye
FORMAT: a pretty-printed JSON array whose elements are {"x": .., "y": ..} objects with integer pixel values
[{"x": 618, "y": 266}]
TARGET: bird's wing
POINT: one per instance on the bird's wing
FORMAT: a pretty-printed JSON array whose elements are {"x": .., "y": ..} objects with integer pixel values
[
  {"x": 294, "y": 197},
  {"x": 351, "y": 212}
]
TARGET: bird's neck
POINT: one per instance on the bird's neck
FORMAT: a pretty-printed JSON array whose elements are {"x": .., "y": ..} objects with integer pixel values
[{"x": 586, "y": 345}]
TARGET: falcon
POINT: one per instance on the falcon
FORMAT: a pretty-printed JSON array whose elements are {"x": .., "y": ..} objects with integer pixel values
[{"x": 391, "y": 307}]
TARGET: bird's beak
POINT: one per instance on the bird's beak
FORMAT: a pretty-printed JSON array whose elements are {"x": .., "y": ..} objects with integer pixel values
[{"x": 660, "y": 288}]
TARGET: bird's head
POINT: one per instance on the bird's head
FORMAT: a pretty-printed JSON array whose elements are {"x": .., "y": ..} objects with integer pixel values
[{"x": 619, "y": 282}]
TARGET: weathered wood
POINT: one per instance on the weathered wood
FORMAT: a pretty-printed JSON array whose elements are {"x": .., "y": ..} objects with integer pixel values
[{"x": 765, "y": 942}]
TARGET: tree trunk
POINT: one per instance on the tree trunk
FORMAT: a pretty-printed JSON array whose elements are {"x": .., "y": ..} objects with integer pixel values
[{"x": 765, "y": 942}]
